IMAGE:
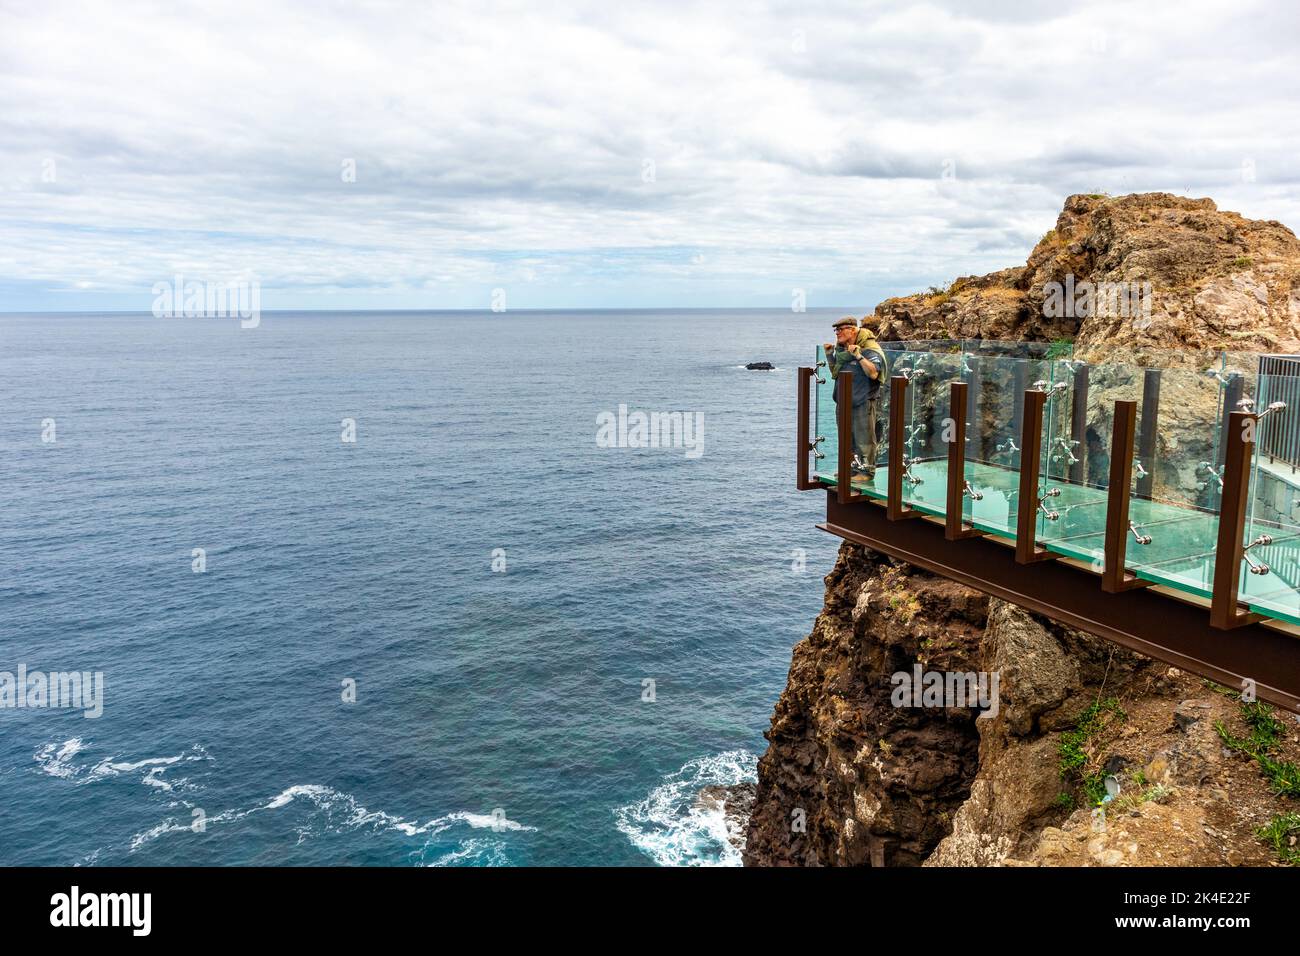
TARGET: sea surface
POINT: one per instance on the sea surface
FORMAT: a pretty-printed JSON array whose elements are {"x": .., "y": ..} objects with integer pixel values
[{"x": 501, "y": 717}]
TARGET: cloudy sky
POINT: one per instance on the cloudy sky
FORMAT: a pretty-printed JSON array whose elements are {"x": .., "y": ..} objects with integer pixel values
[{"x": 609, "y": 154}]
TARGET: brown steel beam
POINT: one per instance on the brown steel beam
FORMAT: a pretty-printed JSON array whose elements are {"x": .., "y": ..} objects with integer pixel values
[
  {"x": 1147, "y": 620},
  {"x": 805, "y": 446},
  {"x": 1114, "y": 576},
  {"x": 894, "y": 507},
  {"x": 955, "y": 528},
  {"x": 1238, "y": 444},
  {"x": 1031, "y": 447}
]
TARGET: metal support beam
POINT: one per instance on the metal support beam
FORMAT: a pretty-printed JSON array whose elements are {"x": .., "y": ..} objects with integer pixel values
[
  {"x": 1114, "y": 576},
  {"x": 804, "y": 446},
  {"x": 955, "y": 527},
  {"x": 1238, "y": 445},
  {"x": 1150, "y": 621},
  {"x": 1150, "y": 428},
  {"x": 894, "y": 507},
  {"x": 1027, "y": 502}
]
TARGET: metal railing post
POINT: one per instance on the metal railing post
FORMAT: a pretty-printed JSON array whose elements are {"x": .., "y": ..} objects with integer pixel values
[
  {"x": 1028, "y": 501},
  {"x": 1238, "y": 444},
  {"x": 1114, "y": 576},
  {"x": 804, "y": 445}
]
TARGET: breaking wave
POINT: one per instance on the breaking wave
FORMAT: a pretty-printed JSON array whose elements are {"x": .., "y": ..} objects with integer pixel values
[
  {"x": 675, "y": 827},
  {"x": 60, "y": 760}
]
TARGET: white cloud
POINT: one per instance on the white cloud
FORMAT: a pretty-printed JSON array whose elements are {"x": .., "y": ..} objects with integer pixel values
[{"x": 506, "y": 144}]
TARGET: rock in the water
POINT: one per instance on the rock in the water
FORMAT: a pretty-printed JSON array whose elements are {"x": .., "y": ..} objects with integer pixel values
[
  {"x": 761, "y": 367},
  {"x": 735, "y": 802}
]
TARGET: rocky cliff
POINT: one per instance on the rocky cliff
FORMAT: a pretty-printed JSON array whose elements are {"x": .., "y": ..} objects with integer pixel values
[
  {"x": 1218, "y": 281},
  {"x": 1194, "y": 778}
]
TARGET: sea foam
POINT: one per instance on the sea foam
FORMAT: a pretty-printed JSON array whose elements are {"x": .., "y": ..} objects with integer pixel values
[{"x": 671, "y": 825}]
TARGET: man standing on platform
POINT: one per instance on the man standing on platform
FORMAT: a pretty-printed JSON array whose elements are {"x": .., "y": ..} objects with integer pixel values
[{"x": 858, "y": 352}]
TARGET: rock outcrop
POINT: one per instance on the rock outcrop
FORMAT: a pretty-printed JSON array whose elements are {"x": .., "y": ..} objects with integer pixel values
[
  {"x": 851, "y": 779},
  {"x": 1218, "y": 281}
]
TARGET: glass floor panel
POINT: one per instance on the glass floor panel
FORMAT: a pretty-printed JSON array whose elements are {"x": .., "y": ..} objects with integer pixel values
[
  {"x": 1275, "y": 593},
  {"x": 1183, "y": 540}
]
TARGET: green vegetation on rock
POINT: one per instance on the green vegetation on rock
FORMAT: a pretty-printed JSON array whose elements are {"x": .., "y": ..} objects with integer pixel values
[{"x": 1081, "y": 750}]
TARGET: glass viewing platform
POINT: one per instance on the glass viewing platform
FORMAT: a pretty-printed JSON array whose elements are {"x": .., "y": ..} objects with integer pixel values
[{"x": 1145, "y": 468}]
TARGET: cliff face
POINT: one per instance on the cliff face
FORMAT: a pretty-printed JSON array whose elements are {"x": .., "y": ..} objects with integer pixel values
[
  {"x": 847, "y": 772},
  {"x": 851, "y": 779}
]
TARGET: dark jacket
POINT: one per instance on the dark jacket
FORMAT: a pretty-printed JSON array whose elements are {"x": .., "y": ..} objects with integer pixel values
[{"x": 865, "y": 388}]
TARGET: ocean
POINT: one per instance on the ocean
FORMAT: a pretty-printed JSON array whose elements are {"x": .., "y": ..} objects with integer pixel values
[{"x": 474, "y": 635}]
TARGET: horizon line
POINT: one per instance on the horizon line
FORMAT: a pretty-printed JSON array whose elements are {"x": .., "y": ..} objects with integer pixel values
[{"x": 489, "y": 311}]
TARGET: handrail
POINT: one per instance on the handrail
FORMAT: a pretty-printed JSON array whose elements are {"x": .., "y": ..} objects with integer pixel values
[{"x": 1279, "y": 438}]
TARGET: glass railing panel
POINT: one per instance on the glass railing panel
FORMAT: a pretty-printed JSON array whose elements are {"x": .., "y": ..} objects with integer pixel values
[
  {"x": 1080, "y": 458},
  {"x": 826, "y": 425},
  {"x": 997, "y": 385},
  {"x": 1180, "y": 515},
  {"x": 928, "y": 427},
  {"x": 1270, "y": 574},
  {"x": 917, "y": 365},
  {"x": 876, "y": 487},
  {"x": 1178, "y": 467},
  {"x": 871, "y": 443}
]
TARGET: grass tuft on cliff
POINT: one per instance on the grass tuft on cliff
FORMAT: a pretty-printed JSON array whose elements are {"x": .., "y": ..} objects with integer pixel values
[
  {"x": 1082, "y": 751},
  {"x": 1283, "y": 834},
  {"x": 1060, "y": 348},
  {"x": 1264, "y": 732}
]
